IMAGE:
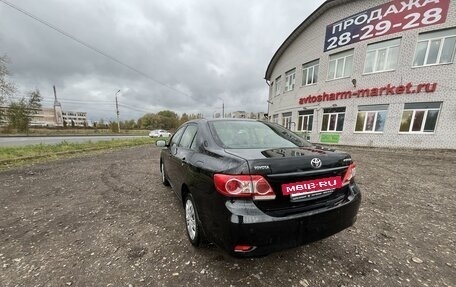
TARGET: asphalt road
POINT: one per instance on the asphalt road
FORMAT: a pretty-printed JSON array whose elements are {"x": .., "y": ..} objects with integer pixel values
[
  {"x": 32, "y": 140},
  {"x": 106, "y": 220}
]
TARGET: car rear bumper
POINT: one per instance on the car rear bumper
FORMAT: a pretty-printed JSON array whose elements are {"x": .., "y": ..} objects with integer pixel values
[{"x": 249, "y": 226}]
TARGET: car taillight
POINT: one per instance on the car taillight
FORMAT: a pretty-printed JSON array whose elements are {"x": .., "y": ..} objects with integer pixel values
[
  {"x": 244, "y": 248},
  {"x": 349, "y": 174},
  {"x": 253, "y": 186}
]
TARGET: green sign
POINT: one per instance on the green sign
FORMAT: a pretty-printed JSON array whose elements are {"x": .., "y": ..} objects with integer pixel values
[{"x": 330, "y": 138}]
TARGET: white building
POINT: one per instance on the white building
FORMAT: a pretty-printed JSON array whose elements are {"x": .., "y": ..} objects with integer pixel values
[
  {"x": 77, "y": 119},
  {"x": 45, "y": 117},
  {"x": 369, "y": 73},
  {"x": 247, "y": 115},
  {"x": 55, "y": 117}
]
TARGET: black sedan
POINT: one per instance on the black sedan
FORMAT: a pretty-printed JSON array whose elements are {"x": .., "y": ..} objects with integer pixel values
[{"x": 254, "y": 187}]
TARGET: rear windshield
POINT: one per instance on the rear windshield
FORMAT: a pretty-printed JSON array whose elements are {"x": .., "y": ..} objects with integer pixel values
[{"x": 253, "y": 135}]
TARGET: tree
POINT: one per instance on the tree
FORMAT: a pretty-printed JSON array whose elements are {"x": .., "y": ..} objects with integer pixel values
[
  {"x": 168, "y": 120},
  {"x": 34, "y": 101},
  {"x": 7, "y": 88},
  {"x": 196, "y": 116},
  {"x": 184, "y": 118},
  {"x": 101, "y": 123},
  {"x": 128, "y": 124},
  {"x": 16, "y": 115},
  {"x": 20, "y": 113},
  {"x": 113, "y": 126},
  {"x": 147, "y": 121}
]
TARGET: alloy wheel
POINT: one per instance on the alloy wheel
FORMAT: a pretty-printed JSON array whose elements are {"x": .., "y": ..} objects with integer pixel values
[{"x": 190, "y": 219}]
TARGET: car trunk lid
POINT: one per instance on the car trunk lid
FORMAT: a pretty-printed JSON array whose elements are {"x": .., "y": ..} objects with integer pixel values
[{"x": 300, "y": 168}]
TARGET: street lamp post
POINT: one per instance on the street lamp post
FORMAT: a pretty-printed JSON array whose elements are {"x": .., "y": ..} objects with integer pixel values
[{"x": 117, "y": 109}]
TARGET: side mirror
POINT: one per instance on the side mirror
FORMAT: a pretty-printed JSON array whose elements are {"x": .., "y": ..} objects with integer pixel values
[{"x": 160, "y": 143}]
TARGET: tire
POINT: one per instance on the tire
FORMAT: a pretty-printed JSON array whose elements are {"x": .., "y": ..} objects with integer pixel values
[
  {"x": 192, "y": 225},
  {"x": 164, "y": 180}
]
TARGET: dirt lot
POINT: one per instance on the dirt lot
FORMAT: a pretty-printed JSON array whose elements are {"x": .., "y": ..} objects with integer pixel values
[{"x": 106, "y": 220}]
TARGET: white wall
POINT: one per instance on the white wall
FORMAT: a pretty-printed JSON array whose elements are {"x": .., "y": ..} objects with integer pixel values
[{"x": 309, "y": 46}]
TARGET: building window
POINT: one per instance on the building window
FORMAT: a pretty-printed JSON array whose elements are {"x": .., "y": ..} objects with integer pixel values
[
  {"x": 305, "y": 121},
  {"x": 275, "y": 119},
  {"x": 278, "y": 85},
  {"x": 286, "y": 120},
  {"x": 290, "y": 78},
  {"x": 333, "y": 120},
  {"x": 435, "y": 48},
  {"x": 340, "y": 65},
  {"x": 310, "y": 73},
  {"x": 382, "y": 57},
  {"x": 420, "y": 117},
  {"x": 371, "y": 119}
]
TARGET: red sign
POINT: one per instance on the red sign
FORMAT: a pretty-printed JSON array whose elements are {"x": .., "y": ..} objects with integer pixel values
[
  {"x": 389, "y": 18},
  {"x": 312, "y": 186},
  {"x": 372, "y": 92}
]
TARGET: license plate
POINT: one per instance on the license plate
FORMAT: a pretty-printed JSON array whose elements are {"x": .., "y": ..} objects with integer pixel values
[
  {"x": 319, "y": 185},
  {"x": 295, "y": 197}
]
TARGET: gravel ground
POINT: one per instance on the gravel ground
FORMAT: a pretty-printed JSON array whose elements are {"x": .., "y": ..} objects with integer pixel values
[{"x": 106, "y": 220}]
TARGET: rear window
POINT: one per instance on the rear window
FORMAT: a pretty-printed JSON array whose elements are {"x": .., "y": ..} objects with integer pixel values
[{"x": 254, "y": 135}]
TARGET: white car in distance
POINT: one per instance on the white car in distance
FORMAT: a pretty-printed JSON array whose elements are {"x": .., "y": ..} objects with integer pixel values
[{"x": 159, "y": 134}]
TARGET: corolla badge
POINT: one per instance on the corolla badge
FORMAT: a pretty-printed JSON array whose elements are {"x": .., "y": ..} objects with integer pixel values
[{"x": 315, "y": 163}]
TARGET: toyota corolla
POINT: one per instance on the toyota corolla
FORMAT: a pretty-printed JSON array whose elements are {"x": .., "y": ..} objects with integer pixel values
[{"x": 254, "y": 187}]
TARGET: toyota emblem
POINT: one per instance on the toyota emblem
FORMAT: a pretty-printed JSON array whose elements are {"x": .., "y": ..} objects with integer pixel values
[{"x": 315, "y": 163}]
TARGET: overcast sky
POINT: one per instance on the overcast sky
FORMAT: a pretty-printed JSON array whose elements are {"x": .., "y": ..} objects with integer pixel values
[{"x": 194, "y": 53}]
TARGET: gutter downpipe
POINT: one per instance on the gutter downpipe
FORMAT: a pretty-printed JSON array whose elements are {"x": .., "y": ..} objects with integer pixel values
[{"x": 269, "y": 100}]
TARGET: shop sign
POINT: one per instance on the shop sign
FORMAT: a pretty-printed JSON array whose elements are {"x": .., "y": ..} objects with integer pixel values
[
  {"x": 330, "y": 138},
  {"x": 389, "y": 18},
  {"x": 388, "y": 90}
]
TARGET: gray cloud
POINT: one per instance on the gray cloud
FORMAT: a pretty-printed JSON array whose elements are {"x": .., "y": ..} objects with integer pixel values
[{"x": 208, "y": 50}]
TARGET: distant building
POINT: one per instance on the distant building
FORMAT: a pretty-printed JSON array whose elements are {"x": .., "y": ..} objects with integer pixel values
[
  {"x": 239, "y": 115},
  {"x": 77, "y": 119},
  {"x": 259, "y": 116},
  {"x": 45, "y": 117},
  {"x": 54, "y": 117},
  {"x": 369, "y": 73},
  {"x": 247, "y": 115}
]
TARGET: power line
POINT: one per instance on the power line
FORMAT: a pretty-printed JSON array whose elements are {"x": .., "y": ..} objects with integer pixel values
[
  {"x": 66, "y": 100},
  {"x": 99, "y": 103},
  {"x": 89, "y": 46},
  {"x": 134, "y": 108}
]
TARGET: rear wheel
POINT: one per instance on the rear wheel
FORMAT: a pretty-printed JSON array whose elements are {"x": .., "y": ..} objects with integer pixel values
[
  {"x": 192, "y": 222},
  {"x": 163, "y": 175}
]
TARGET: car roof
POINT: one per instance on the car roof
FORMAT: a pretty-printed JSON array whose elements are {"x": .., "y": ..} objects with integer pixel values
[{"x": 222, "y": 120}]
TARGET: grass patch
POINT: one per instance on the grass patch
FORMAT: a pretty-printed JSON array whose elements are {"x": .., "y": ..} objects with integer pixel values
[{"x": 17, "y": 156}]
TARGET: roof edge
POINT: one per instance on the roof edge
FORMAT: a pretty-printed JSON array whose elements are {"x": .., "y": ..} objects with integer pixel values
[{"x": 320, "y": 10}]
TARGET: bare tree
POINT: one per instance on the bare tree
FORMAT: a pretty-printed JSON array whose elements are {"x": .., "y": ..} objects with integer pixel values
[{"x": 7, "y": 88}]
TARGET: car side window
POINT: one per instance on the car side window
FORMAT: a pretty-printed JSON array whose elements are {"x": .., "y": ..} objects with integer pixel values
[
  {"x": 177, "y": 137},
  {"x": 188, "y": 136},
  {"x": 195, "y": 143}
]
